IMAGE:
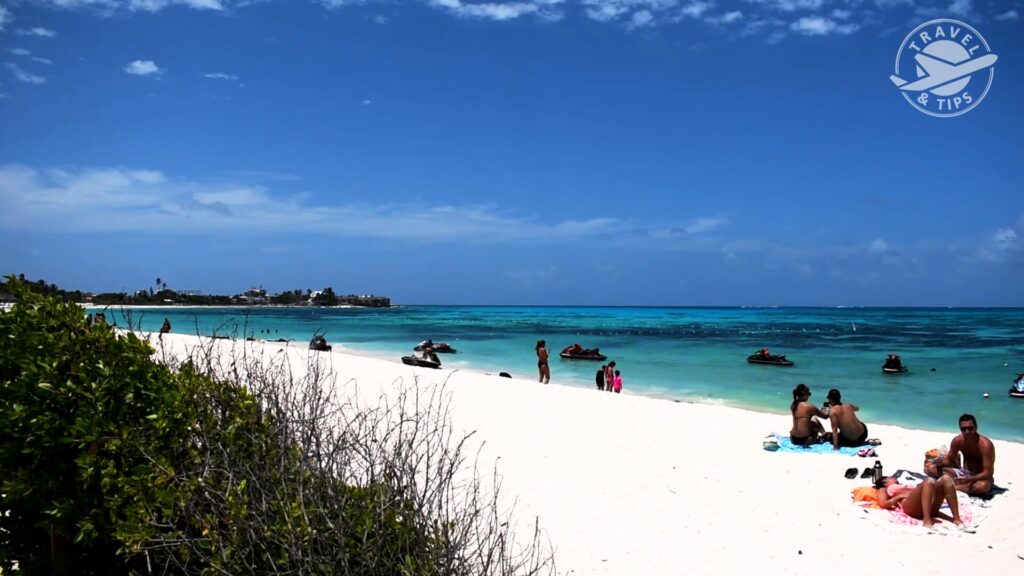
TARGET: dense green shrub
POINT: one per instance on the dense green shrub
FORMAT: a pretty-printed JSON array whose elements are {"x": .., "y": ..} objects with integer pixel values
[{"x": 113, "y": 463}]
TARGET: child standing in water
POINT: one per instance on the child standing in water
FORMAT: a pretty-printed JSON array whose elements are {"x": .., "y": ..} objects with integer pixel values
[{"x": 618, "y": 382}]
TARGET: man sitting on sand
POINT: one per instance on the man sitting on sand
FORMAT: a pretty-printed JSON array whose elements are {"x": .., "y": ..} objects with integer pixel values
[
  {"x": 979, "y": 459},
  {"x": 847, "y": 429}
]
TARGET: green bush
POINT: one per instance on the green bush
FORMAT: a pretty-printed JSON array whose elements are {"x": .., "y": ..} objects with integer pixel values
[{"x": 113, "y": 463}]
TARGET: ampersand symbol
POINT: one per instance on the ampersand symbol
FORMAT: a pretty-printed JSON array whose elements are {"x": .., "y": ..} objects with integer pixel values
[{"x": 923, "y": 99}]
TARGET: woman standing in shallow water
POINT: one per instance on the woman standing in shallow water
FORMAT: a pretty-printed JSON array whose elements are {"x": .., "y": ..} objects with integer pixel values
[{"x": 542, "y": 362}]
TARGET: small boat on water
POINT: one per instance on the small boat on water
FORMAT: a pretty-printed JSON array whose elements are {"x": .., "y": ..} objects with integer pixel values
[
  {"x": 442, "y": 347},
  {"x": 577, "y": 352},
  {"x": 893, "y": 365},
  {"x": 423, "y": 360},
  {"x": 762, "y": 356}
]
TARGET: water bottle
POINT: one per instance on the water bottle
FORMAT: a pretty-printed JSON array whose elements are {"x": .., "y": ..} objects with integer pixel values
[{"x": 876, "y": 474}]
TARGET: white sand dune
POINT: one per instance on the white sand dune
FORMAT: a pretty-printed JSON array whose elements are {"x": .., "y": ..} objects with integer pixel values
[{"x": 630, "y": 485}]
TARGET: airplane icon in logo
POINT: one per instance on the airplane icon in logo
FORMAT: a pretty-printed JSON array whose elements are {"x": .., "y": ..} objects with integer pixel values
[{"x": 941, "y": 72}]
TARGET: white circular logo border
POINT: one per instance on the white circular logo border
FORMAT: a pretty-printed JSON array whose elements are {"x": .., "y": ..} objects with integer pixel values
[{"x": 991, "y": 70}]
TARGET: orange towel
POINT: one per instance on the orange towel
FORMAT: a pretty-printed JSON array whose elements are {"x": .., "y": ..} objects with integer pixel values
[{"x": 868, "y": 495}]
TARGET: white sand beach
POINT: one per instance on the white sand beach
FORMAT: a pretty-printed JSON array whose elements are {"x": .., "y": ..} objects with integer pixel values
[{"x": 630, "y": 485}]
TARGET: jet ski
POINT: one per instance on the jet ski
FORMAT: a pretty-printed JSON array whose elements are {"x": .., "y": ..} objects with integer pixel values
[
  {"x": 577, "y": 352},
  {"x": 320, "y": 344},
  {"x": 1017, "y": 390},
  {"x": 423, "y": 360},
  {"x": 893, "y": 365},
  {"x": 442, "y": 347},
  {"x": 763, "y": 357}
]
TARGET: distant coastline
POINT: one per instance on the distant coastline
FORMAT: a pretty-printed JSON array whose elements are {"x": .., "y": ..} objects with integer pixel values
[{"x": 159, "y": 295}]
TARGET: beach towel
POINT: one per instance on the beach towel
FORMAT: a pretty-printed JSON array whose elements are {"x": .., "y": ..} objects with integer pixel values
[
  {"x": 786, "y": 445},
  {"x": 910, "y": 478}
]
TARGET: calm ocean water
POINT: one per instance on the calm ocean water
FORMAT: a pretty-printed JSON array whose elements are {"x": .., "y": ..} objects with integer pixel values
[{"x": 697, "y": 354}]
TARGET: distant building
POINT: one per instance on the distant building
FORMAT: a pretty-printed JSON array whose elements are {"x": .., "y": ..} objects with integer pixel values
[{"x": 255, "y": 295}]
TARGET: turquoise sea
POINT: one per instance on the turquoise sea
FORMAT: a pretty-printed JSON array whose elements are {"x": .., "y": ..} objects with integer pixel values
[{"x": 695, "y": 354}]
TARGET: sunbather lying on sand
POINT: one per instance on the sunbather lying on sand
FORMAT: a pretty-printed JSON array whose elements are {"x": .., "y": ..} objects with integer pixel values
[{"x": 922, "y": 501}]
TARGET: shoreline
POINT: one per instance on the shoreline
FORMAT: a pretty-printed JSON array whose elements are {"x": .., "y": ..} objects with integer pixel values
[
  {"x": 624, "y": 484},
  {"x": 583, "y": 384}
]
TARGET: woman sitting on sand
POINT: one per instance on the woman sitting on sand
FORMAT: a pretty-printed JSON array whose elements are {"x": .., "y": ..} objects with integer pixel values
[
  {"x": 807, "y": 429},
  {"x": 922, "y": 501}
]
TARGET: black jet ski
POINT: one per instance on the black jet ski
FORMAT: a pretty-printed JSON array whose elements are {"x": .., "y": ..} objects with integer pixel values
[
  {"x": 423, "y": 360},
  {"x": 441, "y": 347},
  {"x": 320, "y": 344},
  {"x": 893, "y": 365},
  {"x": 770, "y": 359},
  {"x": 577, "y": 352}
]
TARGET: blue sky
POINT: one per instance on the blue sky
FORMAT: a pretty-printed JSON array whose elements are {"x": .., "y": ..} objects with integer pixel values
[{"x": 626, "y": 152}]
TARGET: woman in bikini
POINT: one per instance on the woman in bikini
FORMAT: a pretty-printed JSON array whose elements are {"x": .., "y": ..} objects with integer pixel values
[
  {"x": 806, "y": 426},
  {"x": 542, "y": 362},
  {"x": 922, "y": 501}
]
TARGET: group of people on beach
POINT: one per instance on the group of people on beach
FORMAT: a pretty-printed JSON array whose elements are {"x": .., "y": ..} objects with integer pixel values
[
  {"x": 847, "y": 429},
  {"x": 968, "y": 466},
  {"x": 608, "y": 378}
]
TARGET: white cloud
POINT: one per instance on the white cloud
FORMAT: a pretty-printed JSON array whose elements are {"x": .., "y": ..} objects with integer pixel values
[
  {"x": 818, "y": 26},
  {"x": 1000, "y": 244},
  {"x": 696, "y": 9},
  {"x": 790, "y": 5},
  {"x": 1008, "y": 15},
  {"x": 367, "y": 102},
  {"x": 5, "y": 17},
  {"x": 604, "y": 11},
  {"x": 699, "y": 226},
  {"x": 220, "y": 76},
  {"x": 500, "y": 10},
  {"x": 42, "y": 60},
  {"x": 23, "y": 76},
  {"x": 37, "y": 31},
  {"x": 640, "y": 19},
  {"x": 142, "y": 68},
  {"x": 961, "y": 7},
  {"x": 839, "y": 14},
  {"x": 157, "y": 5},
  {"x": 123, "y": 200},
  {"x": 20, "y": 52},
  {"x": 380, "y": 19},
  {"x": 729, "y": 17},
  {"x": 878, "y": 246}
]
